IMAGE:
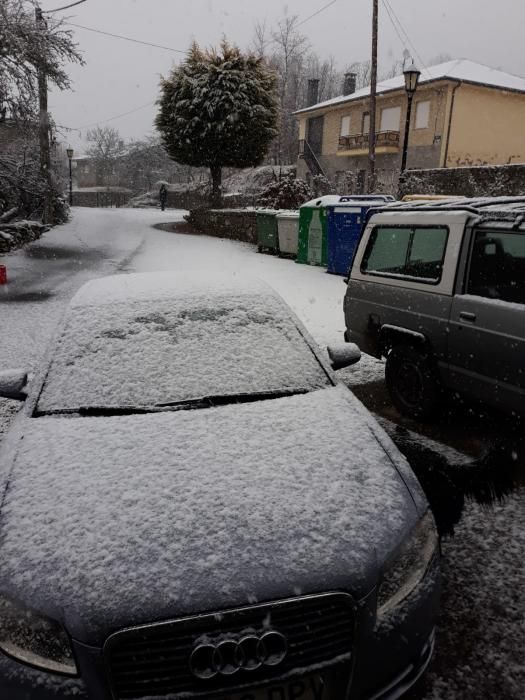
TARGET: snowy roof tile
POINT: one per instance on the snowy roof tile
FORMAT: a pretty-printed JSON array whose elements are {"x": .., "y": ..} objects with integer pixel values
[{"x": 460, "y": 69}]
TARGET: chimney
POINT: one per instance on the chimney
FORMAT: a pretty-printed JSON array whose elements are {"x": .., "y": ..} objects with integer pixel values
[
  {"x": 349, "y": 83},
  {"x": 313, "y": 92}
]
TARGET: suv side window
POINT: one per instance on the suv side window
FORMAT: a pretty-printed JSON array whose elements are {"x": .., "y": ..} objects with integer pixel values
[
  {"x": 412, "y": 252},
  {"x": 497, "y": 266}
]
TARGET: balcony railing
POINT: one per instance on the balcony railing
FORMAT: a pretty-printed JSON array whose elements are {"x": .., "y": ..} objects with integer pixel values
[{"x": 357, "y": 141}]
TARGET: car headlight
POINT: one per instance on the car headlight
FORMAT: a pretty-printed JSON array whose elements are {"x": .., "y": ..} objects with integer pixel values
[
  {"x": 409, "y": 566},
  {"x": 34, "y": 639}
]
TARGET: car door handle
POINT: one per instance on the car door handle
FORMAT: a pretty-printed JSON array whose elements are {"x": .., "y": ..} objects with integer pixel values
[{"x": 467, "y": 316}]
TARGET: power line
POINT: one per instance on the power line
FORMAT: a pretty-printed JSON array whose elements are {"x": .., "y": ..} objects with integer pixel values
[
  {"x": 105, "y": 121},
  {"x": 392, "y": 15},
  {"x": 318, "y": 12},
  {"x": 66, "y": 7},
  {"x": 126, "y": 38},
  {"x": 401, "y": 39}
]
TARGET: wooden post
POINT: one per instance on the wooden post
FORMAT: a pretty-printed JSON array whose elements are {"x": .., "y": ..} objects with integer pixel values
[
  {"x": 373, "y": 91},
  {"x": 43, "y": 126}
]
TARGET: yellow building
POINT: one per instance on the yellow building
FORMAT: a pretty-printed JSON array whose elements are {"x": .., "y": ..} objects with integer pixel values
[{"x": 463, "y": 114}]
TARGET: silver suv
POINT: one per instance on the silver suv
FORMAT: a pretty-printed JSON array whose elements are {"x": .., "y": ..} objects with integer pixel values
[{"x": 439, "y": 290}]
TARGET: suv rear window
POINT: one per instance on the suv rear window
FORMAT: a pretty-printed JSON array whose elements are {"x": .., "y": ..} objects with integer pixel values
[{"x": 410, "y": 252}]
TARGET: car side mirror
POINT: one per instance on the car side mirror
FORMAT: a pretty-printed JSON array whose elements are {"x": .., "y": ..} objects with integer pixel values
[
  {"x": 343, "y": 355},
  {"x": 13, "y": 384}
]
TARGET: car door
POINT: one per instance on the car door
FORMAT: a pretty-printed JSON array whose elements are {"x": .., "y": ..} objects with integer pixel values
[
  {"x": 403, "y": 276},
  {"x": 487, "y": 322}
]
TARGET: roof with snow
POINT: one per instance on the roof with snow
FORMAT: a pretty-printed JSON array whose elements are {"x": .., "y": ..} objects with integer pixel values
[
  {"x": 462, "y": 69},
  {"x": 156, "y": 286}
]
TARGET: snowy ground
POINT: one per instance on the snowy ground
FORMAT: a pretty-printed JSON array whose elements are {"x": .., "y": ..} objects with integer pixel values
[{"x": 482, "y": 628}]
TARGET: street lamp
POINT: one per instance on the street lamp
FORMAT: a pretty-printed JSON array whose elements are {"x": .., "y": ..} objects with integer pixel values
[
  {"x": 69, "y": 152},
  {"x": 411, "y": 80}
]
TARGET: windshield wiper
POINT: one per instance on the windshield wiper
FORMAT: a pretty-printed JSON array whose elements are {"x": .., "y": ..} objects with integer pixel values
[
  {"x": 244, "y": 397},
  {"x": 184, "y": 405}
]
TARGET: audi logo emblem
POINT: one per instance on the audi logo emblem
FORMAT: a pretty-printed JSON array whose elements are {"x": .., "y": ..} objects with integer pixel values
[{"x": 229, "y": 656}]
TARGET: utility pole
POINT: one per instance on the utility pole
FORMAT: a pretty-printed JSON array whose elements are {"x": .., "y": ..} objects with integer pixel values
[
  {"x": 43, "y": 127},
  {"x": 373, "y": 91}
]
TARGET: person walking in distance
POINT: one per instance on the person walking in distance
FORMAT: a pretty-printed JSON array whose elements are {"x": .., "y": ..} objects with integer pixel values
[{"x": 163, "y": 195}]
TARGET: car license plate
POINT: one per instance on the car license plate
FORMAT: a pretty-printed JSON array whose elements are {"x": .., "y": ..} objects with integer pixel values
[{"x": 307, "y": 688}]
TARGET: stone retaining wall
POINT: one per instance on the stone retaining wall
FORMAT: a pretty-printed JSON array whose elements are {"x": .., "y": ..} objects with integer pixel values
[
  {"x": 100, "y": 198},
  {"x": 195, "y": 200},
  {"x": 481, "y": 181},
  {"x": 236, "y": 224}
]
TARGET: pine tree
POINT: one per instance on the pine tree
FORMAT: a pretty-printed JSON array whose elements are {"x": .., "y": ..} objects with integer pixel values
[{"x": 218, "y": 109}]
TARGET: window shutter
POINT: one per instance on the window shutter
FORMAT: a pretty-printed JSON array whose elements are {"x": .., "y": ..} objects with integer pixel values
[
  {"x": 390, "y": 119},
  {"x": 422, "y": 114},
  {"x": 345, "y": 126}
]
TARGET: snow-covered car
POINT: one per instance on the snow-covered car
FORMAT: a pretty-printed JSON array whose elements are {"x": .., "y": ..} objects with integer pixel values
[{"x": 191, "y": 505}]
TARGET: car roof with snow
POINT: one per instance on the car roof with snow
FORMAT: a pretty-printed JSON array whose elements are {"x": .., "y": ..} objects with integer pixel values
[
  {"x": 483, "y": 207},
  {"x": 165, "y": 285},
  {"x": 151, "y": 341}
]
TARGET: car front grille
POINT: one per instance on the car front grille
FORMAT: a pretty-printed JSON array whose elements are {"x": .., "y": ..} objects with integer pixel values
[{"x": 154, "y": 660}]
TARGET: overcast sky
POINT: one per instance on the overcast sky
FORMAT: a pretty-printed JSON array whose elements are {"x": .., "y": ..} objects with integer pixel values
[{"x": 120, "y": 77}]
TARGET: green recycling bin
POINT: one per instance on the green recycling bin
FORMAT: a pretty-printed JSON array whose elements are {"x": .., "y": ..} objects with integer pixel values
[
  {"x": 267, "y": 232},
  {"x": 312, "y": 246}
]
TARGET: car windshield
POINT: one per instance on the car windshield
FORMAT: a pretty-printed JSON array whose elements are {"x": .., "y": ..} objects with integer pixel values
[{"x": 162, "y": 353}]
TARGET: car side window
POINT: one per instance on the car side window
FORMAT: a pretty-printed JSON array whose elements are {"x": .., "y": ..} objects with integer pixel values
[
  {"x": 497, "y": 266},
  {"x": 412, "y": 252},
  {"x": 387, "y": 250}
]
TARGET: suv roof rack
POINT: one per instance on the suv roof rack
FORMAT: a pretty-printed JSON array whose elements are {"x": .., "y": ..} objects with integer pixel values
[{"x": 483, "y": 208}]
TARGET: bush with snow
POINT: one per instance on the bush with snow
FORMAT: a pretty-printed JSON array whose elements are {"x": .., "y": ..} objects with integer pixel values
[{"x": 287, "y": 192}]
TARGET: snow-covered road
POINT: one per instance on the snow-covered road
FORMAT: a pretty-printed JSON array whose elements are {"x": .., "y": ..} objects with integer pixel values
[{"x": 482, "y": 629}]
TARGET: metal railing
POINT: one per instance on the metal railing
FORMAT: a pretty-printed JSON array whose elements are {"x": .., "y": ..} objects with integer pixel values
[
  {"x": 306, "y": 152},
  {"x": 357, "y": 141}
]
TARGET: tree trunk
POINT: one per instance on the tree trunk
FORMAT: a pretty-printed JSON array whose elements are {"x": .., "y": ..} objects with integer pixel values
[{"x": 216, "y": 186}]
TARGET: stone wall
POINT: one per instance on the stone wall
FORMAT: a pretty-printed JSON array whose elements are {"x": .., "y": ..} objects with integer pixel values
[
  {"x": 192, "y": 199},
  {"x": 236, "y": 224},
  {"x": 100, "y": 197},
  {"x": 483, "y": 181}
]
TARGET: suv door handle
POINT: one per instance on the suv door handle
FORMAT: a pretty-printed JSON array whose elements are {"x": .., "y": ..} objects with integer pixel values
[{"x": 467, "y": 316}]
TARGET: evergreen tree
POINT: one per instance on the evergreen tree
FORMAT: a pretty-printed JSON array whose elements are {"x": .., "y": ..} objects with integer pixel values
[{"x": 218, "y": 109}]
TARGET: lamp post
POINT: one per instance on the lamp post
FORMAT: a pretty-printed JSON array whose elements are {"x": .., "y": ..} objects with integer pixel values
[
  {"x": 69, "y": 152},
  {"x": 411, "y": 80}
]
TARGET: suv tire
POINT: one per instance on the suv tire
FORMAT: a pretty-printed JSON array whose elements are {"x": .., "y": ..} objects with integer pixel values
[{"x": 412, "y": 381}]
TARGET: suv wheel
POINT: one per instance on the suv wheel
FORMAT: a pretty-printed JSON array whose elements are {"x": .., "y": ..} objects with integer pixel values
[{"x": 412, "y": 381}]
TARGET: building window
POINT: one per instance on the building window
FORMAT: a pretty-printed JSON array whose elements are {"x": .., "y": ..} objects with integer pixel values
[
  {"x": 390, "y": 119},
  {"x": 345, "y": 126},
  {"x": 366, "y": 123},
  {"x": 422, "y": 114}
]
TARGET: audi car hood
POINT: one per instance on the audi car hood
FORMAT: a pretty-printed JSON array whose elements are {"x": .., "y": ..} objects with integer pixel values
[{"x": 115, "y": 521}]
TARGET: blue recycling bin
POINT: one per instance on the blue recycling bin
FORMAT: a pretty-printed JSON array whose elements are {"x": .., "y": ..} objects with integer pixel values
[{"x": 344, "y": 224}]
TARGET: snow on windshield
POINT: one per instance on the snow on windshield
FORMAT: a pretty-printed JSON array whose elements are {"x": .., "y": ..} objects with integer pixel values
[{"x": 146, "y": 353}]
